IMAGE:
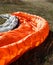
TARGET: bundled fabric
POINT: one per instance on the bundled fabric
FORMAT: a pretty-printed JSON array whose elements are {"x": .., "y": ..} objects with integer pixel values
[
  {"x": 10, "y": 23},
  {"x": 31, "y": 32}
]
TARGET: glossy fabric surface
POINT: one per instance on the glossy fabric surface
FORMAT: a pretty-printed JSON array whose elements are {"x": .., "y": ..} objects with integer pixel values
[{"x": 31, "y": 32}]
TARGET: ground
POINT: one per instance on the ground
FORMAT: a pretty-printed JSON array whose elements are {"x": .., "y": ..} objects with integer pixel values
[{"x": 42, "y": 55}]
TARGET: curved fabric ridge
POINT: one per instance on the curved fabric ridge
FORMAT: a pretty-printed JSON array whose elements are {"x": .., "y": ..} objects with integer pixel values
[{"x": 32, "y": 31}]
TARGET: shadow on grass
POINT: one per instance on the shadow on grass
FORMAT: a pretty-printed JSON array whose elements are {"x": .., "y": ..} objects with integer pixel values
[
  {"x": 37, "y": 55},
  {"x": 13, "y": 2},
  {"x": 51, "y": 1}
]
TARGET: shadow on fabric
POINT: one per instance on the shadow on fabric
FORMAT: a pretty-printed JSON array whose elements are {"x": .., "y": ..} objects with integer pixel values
[{"x": 37, "y": 55}]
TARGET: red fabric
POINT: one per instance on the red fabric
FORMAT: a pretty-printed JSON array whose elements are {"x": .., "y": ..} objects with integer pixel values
[{"x": 31, "y": 32}]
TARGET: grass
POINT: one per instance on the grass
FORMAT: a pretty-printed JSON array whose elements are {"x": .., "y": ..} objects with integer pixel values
[{"x": 45, "y": 10}]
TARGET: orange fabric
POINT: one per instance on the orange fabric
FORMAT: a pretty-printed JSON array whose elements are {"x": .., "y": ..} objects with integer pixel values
[{"x": 31, "y": 32}]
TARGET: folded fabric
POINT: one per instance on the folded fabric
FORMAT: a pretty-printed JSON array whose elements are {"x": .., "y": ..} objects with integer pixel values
[{"x": 31, "y": 32}]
